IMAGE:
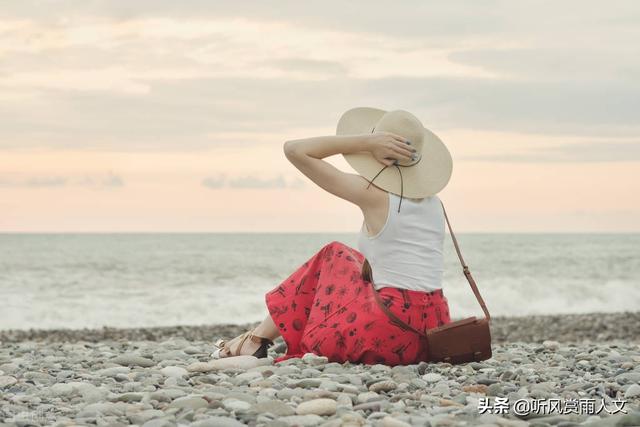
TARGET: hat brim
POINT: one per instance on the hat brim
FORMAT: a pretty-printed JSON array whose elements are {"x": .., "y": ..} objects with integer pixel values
[{"x": 426, "y": 178}]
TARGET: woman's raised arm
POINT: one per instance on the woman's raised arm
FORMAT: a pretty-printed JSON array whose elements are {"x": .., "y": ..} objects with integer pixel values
[{"x": 307, "y": 154}]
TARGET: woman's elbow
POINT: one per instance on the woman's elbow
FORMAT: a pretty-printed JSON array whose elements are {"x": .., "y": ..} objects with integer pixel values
[{"x": 289, "y": 148}]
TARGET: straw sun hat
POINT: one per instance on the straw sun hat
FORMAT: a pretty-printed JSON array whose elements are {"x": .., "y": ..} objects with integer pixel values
[{"x": 423, "y": 177}]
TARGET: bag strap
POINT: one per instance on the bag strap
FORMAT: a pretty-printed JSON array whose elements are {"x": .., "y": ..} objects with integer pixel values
[
  {"x": 465, "y": 268},
  {"x": 394, "y": 319}
]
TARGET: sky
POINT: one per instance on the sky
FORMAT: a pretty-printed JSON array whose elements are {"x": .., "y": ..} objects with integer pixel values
[{"x": 163, "y": 116}]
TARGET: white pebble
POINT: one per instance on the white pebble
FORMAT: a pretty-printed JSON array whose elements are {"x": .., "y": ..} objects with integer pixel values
[
  {"x": 432, "y": 377},
  {"x": 189, "y": 402},
  {"x": 317, "y": 407},
  {"x": 302, "y": 420},
  {"x": 61, "y": 389},
  {"x": 174, "y": 371},
  {"x": 236, "y": 405},
  {"x": 368, "y": 396},
  {"x": 314, "y": 359},
  {"x": 392, "y": 422},
  {"x": 6, "y": 381}
]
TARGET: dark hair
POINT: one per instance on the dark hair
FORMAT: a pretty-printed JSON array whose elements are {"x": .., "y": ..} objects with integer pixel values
[{"x": 367, "y": 275}]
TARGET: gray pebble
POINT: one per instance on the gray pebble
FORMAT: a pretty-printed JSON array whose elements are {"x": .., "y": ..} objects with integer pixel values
[
  {"x": 82, "y": 383},
  {"x": 133, "y": 360},
  {"x": 632, "y": 391}
]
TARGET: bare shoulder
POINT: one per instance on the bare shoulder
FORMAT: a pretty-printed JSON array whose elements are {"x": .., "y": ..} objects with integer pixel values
[
  {"x": 375, "y": 201},
  {"x": 356, "y": 189}
]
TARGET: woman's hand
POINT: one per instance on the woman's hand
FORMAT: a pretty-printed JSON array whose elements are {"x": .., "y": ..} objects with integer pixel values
[{"x": 387, "y": 147}]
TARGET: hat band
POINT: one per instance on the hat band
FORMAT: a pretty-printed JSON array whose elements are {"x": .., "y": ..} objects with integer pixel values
[{"x": 401, "y": 183}]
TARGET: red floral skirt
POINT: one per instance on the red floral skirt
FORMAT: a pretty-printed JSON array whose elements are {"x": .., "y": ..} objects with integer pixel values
[{"x": 327, "y": 308}]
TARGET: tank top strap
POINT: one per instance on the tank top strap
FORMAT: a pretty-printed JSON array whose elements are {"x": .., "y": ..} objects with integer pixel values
[{"x": 394, "y": 204}]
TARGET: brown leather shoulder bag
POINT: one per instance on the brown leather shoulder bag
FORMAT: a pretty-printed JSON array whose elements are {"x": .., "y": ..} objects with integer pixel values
[{"x": 461, "y": 341}]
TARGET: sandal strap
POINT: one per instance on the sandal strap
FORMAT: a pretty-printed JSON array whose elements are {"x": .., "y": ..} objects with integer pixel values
[
  {"x": 243, "y": 338},
  {"x": 260, "y": 340}
]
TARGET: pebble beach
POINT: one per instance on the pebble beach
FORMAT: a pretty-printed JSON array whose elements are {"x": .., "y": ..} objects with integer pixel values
[{"x": 586, "y": 367}]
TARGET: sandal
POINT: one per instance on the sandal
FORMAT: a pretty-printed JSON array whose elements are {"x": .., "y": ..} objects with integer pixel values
[{"x": 223, "y": 349}]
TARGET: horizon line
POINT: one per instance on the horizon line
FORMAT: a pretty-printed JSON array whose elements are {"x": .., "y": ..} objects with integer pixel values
[{"x": 2, "y": 232}]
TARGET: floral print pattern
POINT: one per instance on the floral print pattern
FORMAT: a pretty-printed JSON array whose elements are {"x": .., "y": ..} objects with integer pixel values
[{"x": 327, "y": 308}]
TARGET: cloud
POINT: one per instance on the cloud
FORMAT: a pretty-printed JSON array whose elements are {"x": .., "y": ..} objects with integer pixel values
[
  {"x": 255, "y": 182},
  {"x": 181, "y": 115},
  {"x": 46, "y": 181},
  {"x": 39, "y": 181},
  {"x": 214, "y": 182},
  {"x": 121, "y": 75},
  {"x": 313, "y": 68},
  {"x": 552, "y": 63},
  {"x": 575, "y": 152},
  {"x": 109, "y": 180},
  {"x": 416, "y": 18},
  {"x": 252, "y": 181}
]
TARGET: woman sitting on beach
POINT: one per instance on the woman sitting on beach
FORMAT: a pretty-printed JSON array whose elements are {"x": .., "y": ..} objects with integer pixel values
[{"x": 327, "y": 305}]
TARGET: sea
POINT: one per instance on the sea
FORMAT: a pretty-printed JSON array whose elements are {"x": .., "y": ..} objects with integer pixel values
[{"x": 52, "y": 281}]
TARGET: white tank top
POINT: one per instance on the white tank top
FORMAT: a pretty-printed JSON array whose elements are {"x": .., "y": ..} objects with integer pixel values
[{"x": 408, "y": 251}]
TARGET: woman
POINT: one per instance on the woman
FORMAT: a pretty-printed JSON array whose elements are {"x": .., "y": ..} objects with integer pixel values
[{"x": 327, "y": 305}]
